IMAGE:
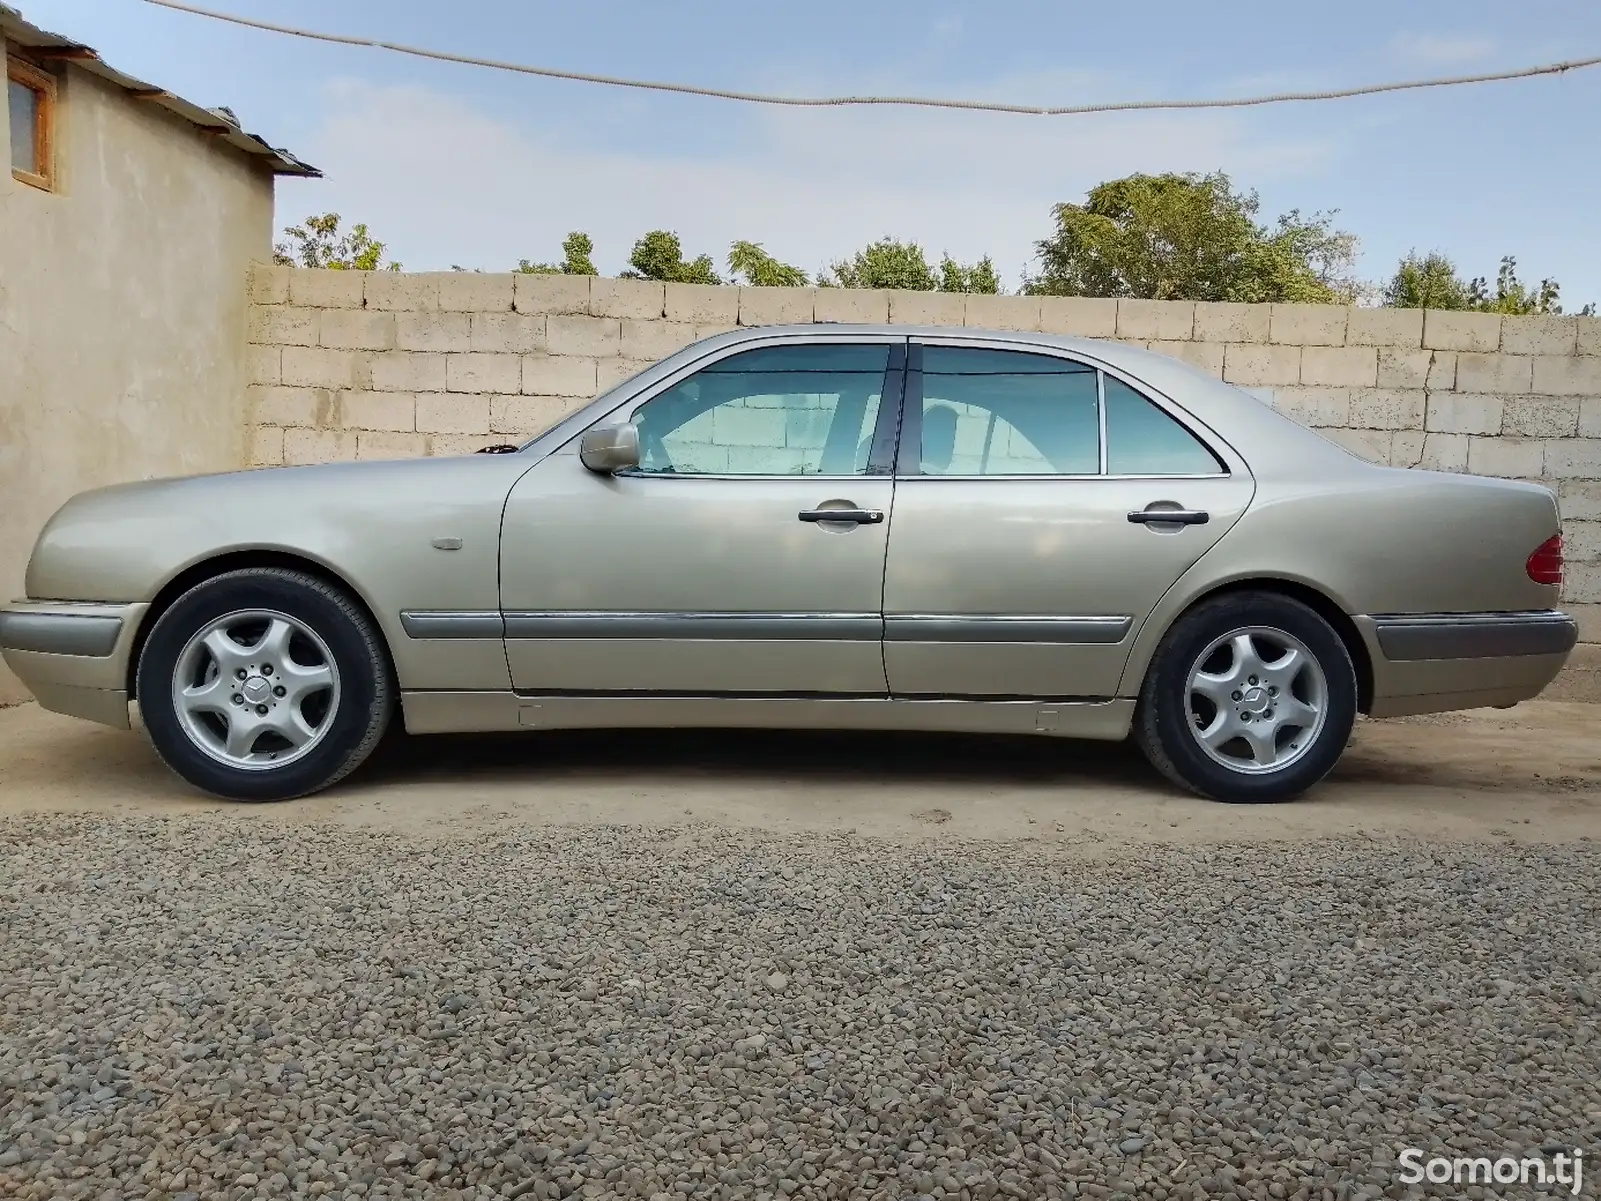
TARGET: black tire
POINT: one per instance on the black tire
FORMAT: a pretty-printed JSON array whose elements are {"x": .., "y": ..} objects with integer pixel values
[
  {"x": 354, "y": 726},
  {"x": 1163, "y": 722}
]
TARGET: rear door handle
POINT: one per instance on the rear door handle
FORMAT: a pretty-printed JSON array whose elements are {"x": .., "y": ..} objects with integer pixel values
[
  {"x": 854, "y": 516},
  {"x": 1170, "y": 517}
]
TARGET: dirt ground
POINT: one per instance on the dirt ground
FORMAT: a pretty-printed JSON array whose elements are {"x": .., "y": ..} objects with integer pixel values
[{"x": 1531, "y": 773}]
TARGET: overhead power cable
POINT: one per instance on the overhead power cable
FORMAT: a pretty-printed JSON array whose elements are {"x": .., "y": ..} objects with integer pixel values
[{"x": 900, "y": 101}]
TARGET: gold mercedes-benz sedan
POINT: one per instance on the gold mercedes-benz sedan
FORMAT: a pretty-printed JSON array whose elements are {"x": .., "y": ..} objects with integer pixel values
[{"x": 865, "y": 527}]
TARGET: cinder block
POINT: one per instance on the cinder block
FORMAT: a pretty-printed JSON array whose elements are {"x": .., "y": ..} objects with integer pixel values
[
  {"x": 1021, "y": 313},
  {"x": 777, "y": 306},
  {"x": 1372, "y": 445},
  {"x": 262, "y": 364},
  {"x": 1308, "y": 324},
  {"x": 1444, "y": 452},
  {"x": 1539, "y": 333},
  {"x": 371, "y": 444},
  {"x": 929, "y": 308},
  {"x": 1509, "y": 458},
  {"x": 1156, "y": 320},
  {"x": 441, "y": 446},
  {"x": 1340, "y": 366},
  {"x": 1450, "y": 413},
  {"x": 1581, "y": 541},
  {"x": 322, "y": 288},
  {"x": 1567, "y": 375},
  {"x": 1388, "y": 409},
  {"x": 1581, "y": 582},
  {"x": 652, "y": 340},
  {"x": 358, "y": 329},
  {"x": 1540, "y": 416},
  {"x": 1400, "y": 328},
  {"x": 452, "y": 413},
  {"x": 712, "y": 330},
  {"x": 1573, "y": 458},
  {"x": 701, "y": 304},
  {"x": 267, "y": 283},
  {"x": 1079, "y": 316},
  {"x": 447, "y": 332},
  {"x": 1589, "y": 334},
  {"x": 1222, "y": 321},
  {"x": 1401, "y": 368},
  {"x": 394, "y": 291},
  {"x": 861, "y": 306},
  {"x": 551, "y": 293},
  {"x": 544, "y": 375},
  {"x": 483, "y": 372},
  {"x": 1442, "y": 371},
  {"x": 1314, "y": 406},
  {"x": 507, "y": 333},
  {"x": 1589, "y": 417},
  {"x": 1579, "y": 500},
  {"x": 592, "y": 336},
  {"x": 404, "y": 371},
  {"x": 1406, "y": 448},
  {"x": 1208, "y": 356},
  {"x": 1589, "y": 619},
  {"x": 266, "y": 447},
  {"x": 291, "y": 406},
  {"x": 282, "y": 325},
  {"x": 377, "y": 411},
  {"x": 1261, "y": 363},
  {"x": 319, "y": 446},
  {"x": 1504, "y": 373},
  {"x": 317, "y": 367},
  {"x": 475, "y": 292},
  {"x": 1445, "y": 329},
  {"x": 639, "y": 298},
  {"x": 611, "y": 372},
  {"x": 526, "y": 416}
]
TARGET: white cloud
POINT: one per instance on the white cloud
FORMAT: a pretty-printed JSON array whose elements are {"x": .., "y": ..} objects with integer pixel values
[
  {"x": 447, "y": 183},
  {"x": 1441, "y": 49}
]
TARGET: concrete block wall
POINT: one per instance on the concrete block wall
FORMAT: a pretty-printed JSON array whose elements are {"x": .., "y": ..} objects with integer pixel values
[{"x": 353, "y": 365}]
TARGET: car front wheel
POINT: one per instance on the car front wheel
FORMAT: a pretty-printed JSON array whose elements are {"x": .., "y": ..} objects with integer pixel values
[
  {"x": 1251, "y": 697},
  {"x": 264, "y": 684}
]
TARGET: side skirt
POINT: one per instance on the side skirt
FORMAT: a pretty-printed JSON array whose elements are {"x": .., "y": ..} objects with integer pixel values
[{"x": 467, "y": 712}]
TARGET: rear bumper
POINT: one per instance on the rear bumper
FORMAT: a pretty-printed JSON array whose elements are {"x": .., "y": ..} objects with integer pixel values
[
  {"x": 72, "y": 656},
  {"x": 1431, "y": 662}
]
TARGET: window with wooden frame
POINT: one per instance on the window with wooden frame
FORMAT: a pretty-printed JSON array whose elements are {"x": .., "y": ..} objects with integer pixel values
[{"x": 31, "y": 103}]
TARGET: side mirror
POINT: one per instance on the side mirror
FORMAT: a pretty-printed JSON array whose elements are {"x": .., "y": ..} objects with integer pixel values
[{"x": 610, "y": 448}]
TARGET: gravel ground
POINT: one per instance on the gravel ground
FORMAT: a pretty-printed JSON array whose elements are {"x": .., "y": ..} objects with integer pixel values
[{"x": 227, "y": 1007}]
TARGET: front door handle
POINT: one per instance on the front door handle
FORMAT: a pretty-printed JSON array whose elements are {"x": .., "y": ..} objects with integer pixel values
[
  {"x": 854, "y": 516},
  {"x": 1170, "y": 517}
]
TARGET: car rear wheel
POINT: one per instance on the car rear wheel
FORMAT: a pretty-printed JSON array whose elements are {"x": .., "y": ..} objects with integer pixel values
[
  {"x": 1251, "y": 697},
  {"x": 264, "y": 684}
]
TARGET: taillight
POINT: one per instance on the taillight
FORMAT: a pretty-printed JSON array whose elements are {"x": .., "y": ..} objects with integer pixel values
[{"x": 1545, "y": 564}]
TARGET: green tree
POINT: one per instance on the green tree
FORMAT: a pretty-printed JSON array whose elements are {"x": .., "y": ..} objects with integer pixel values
[
  {"x": 1191, "y": 237},
  {"x": 979, "y": 277},
  {"x": 886, "y": 263},
  {"x": 1512, "y": 296},
  {"x": 1432, "y": 282},
  {"x": 317, "y": 242},
  {"x": 660, "y": 255},
  {"x": 576, "y": 249},
  {"x": 759, "y": 269}
]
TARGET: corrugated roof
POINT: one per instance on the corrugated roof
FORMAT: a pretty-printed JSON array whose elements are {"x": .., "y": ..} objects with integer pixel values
[{"x": 218, "y": 122}]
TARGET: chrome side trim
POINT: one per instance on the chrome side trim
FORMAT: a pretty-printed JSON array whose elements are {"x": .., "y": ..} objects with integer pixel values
[
  {"x": 1416, "y": 636},
  {"x": 85, "y": 635},
  {"x": 831, "y": 627},
  {"x": 446, "y": 624},
  {"x": 930, "y": 627}
]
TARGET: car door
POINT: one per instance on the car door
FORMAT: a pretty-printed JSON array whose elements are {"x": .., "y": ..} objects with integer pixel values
[
  {"x": 744, "y": 555},
  {"x": 1024, "y": 553}
]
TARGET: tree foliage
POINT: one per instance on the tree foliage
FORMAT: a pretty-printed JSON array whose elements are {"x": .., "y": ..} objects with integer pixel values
[
  {"x": 889, "y": 263},
  {"x": 977, "y": 277},
  {"x": 747, "y": 261},
  {"x": 1431, "y": 282},
  {"x": 317, "y": 242},
  {"x": 660, "y": 255},
  {"x": 1191, "y": 237},
  {"x": 576, "y": 249}
]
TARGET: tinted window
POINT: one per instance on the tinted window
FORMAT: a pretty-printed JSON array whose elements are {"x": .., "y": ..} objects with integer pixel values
[
  {"x": 1000, "y": 412},
  {"x": 23, "y": 103},
  {"x": 784, "y": 410},
  {"x": 1143, "y": 440}
]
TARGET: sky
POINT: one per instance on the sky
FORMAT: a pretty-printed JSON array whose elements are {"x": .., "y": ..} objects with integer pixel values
[{"x": 460, "y": 166}]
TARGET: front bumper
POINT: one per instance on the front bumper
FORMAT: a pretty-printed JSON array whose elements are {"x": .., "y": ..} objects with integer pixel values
[
  {"x": 1433, "y": 662},
  {"x": 73, "y": 656}
]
